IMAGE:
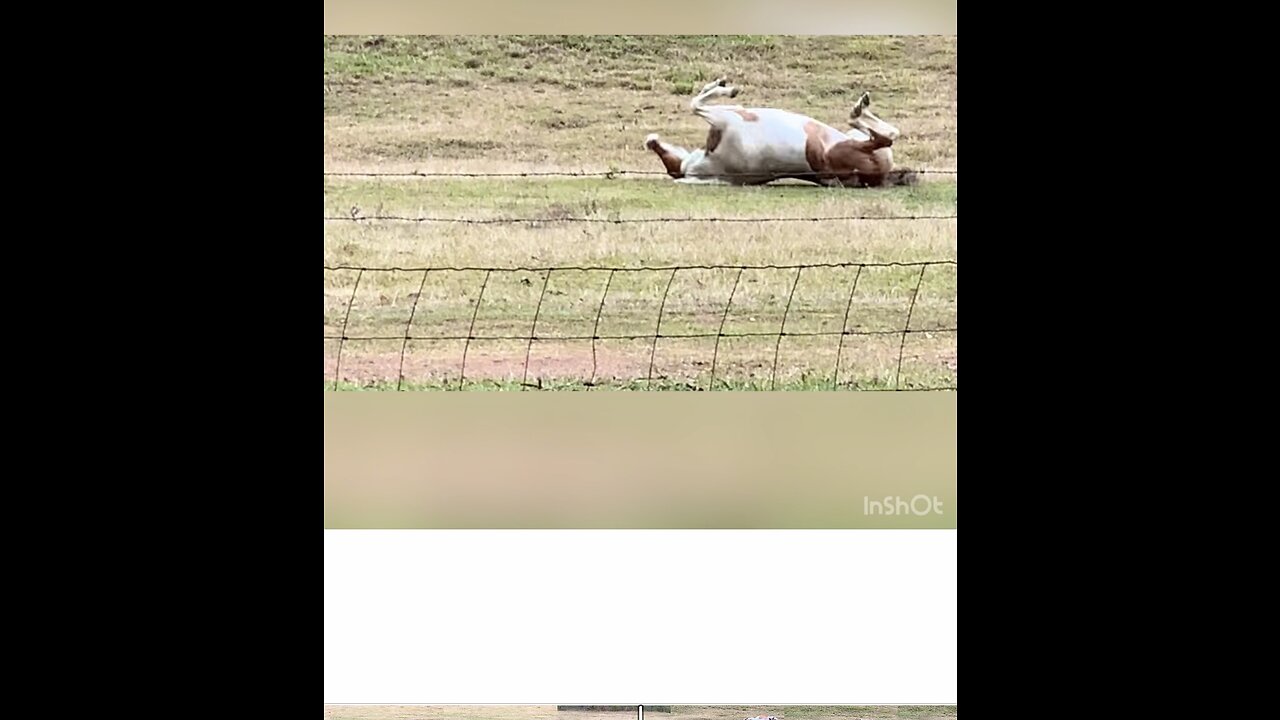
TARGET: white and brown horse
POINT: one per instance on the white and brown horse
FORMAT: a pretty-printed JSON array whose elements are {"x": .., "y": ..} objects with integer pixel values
[{"x": 753, "y": 146}]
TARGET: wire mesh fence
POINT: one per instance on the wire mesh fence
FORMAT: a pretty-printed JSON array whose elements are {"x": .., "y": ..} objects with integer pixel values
[{"x": 864, "y": 326}]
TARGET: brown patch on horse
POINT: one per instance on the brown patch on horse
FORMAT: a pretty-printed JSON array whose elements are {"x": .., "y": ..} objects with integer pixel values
[
  {"x": 880, "y": 141},
  {"x": 713, "y": 138},
  {"x": 815, "y": 152},
  {"x": 669, "y": 160},
  {"x": 876, "y": 142},
  {"x": 854, "y": 161},
  {"x": 748, "y": 115}
]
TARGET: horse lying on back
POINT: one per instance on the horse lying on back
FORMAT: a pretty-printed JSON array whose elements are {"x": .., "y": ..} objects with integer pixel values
[{"x": 753, "y": 146}]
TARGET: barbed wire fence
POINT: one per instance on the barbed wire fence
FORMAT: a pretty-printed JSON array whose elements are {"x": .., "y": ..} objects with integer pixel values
[
  {"x": 356, "y": 215},
  {"x": 585, "y": 173}
]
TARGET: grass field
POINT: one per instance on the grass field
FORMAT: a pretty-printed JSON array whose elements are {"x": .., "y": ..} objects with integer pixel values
[
  {"x": 679, "y": 712},
  {"x": 512, "y": 104}
]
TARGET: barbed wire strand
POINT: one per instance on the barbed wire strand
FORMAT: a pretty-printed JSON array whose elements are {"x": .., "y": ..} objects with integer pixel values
[
  {"x": 657, "y": 334},
  {"x": 623, "y": 221},
  {"x": 907, "y": 325},
  {"x": 835, "y": 383},
  {"x": 645, "y": 336},
  {"x": 601, "y": 173},
  {"x": 647, "y": 268}
]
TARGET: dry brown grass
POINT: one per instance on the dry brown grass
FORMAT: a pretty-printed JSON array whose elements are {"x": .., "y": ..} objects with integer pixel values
[
  {"x": 495, "y": 104},
  {"x": 545, "y": 103}
]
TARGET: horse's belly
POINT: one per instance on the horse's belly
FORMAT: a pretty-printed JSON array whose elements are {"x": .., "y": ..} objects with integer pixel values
[{"x": 767, "y": 151}]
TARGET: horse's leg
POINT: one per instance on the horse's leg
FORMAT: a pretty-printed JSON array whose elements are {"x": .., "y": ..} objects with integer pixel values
[
  {"x": 860, "y": 162},
  {"x": 711, "y": 91},
  {"x": 672, "y": 156}
]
